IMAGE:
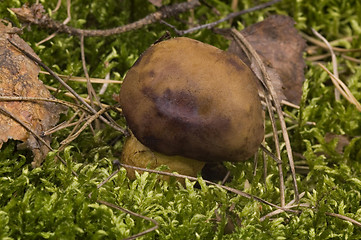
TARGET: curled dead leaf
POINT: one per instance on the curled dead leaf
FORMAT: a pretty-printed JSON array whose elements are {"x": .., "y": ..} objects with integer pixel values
[
  {"x": 19, "y": 77},
  {"x": 280, "y": 47}
]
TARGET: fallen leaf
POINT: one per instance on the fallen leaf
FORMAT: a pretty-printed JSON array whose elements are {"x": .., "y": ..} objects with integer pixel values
[
  {"x": 19, "y": 77},
  {"x": 280, "y": 47}
]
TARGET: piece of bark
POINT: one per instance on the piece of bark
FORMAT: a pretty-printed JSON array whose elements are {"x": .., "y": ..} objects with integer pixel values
[
  {"x": 280, "y": 47},
  {"x": 19, "y": 77}
]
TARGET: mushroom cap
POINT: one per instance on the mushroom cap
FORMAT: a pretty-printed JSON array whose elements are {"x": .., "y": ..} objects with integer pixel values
[{"x": 184, "y": 97}]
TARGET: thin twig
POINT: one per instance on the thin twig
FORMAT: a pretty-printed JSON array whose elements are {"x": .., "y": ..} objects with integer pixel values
[
  {"x": 244, "y": 194},
  {"x": 267, "y": 82},
  {"x": 318, "y": 57},
  {"x": 287, "y": 103},
  {"x": 264, "y": 169},
  {"x": 341, "y": 86},
  {"x": 66, "y": 21},
  {"x": 105, "y": 85},
  {"x": 58, "y": 4},
  {"x": 103, "y": 105},
  {"x": 233, "y": 190},
  {"x": 156, "y": 224},
  {"x": 255, "y": 164},
  {"x": 34, "y": 16},
  {"x": 82, "y": 79},
  {"x": 352, "y": 59},
  {"x": 266, "y": 97},
  {"x": 278, "y": 211},
  {"x": 64, "y": 125},
  {"x": 269, "y": 153},
  {"x": 323, "y": 45},
  {"x": 85, "y": 125},
  {"x": 280, "y": 131},
  {"x": 334, "y": 60},
  {"x": 91, "y": 91},
  {"x": 39, "y": 99},
  {"x": 278, "y": 151},
  {"x": 227, "y": 18},
  {"x": 107, "y": 179},
  {"x": 77, "y": 126},
  {"x": 353, "y": 221}
]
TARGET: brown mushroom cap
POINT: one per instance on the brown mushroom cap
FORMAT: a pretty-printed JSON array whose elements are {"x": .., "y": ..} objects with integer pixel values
[{"x": 184, "y": 97}]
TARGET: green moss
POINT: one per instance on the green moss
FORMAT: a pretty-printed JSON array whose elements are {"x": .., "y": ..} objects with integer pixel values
[{"x": 50, "y": 203}]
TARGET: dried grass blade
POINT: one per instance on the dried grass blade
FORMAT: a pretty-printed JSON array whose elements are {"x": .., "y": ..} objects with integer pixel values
[
  {"x": 344, "y": 90},
  {"x": 333, "y": 57},
  {"x": 267, "y": 82}
]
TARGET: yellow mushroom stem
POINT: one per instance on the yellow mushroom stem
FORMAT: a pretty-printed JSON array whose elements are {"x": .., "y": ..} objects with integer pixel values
[{"x": 136, "y": 154}]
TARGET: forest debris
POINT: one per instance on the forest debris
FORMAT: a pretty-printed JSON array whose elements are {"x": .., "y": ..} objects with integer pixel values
[
  {"x": 281, "y": 47},
  {"x": 35, "y": 14},
  {"x": 19, "y": 77},
  {"x": 227, "y": 18}
]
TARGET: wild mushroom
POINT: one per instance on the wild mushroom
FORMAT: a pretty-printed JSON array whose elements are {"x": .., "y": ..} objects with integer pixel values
[{"x": 186, "y": 98}]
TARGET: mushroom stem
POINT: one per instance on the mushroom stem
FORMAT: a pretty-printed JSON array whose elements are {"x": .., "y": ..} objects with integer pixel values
[{"x": 136, "y": 154}]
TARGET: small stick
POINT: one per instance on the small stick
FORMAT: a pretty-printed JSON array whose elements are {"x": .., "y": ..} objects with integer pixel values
[
  {"x": 77, "y": 126},
  {"x": 82, "y": 79},
  {"x": 280, "y": 131},
  {"x": 255, "y": 164},
  {"x": 85, "y": 99},
  {"x": 66, "y": 21},
  {"x": 227, "y": 18},
  {"x": 352, "y": 59},
  {"x": 266, "y": 96},
  {"x": 85, "y": 125},
  {"x": 278, "y": 151},
  {"x": 317, "y": 57},
  {"x": 39, "y": 99},
  {"x": 44, "y": 21},
  {"x": 58, "y": 4},
  {"x": 287, "y": 208},
  {"x": 233, "y": 190},
  {"x": 105, "y": 85},
  {"x": 278, "y": 211},
  {"x": 334, "y": 60},
  {"x": 341, "y": 86},
  {"x": 353, "y": 221},
  {"x": 323, "y": 45},
  {"x": 91, "y": 91},
  {"x": 64, "y": 125}
]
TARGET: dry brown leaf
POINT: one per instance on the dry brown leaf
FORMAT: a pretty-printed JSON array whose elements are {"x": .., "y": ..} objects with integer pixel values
[
  {"x": 280, "y": 47},
  {"x": 19, "y": 77}
]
